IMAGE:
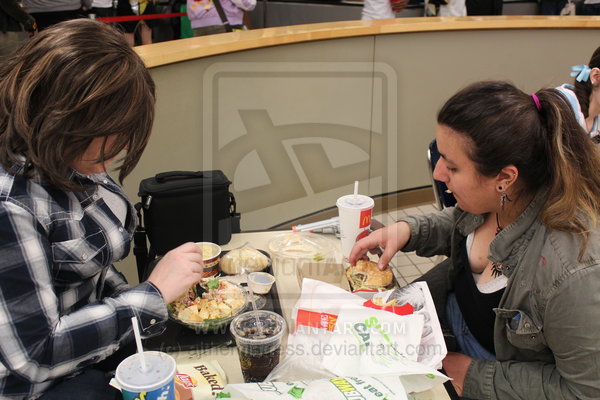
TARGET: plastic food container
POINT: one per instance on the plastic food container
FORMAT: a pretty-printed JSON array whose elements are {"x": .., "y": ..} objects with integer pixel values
[
  {"x": 260, "y": 282},
  {"x": 211, "y": 255},
  {"x": 216, "y": 325},
  {"x": 302, "y": 245},
  {"x": 244, "y": 260}
]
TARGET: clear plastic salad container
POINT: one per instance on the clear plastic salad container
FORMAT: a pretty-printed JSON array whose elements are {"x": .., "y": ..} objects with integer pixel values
[{"x": 303, "y": 245}]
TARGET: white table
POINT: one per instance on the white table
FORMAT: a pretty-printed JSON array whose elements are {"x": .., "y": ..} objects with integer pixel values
[{"x": 288, "y": 289}]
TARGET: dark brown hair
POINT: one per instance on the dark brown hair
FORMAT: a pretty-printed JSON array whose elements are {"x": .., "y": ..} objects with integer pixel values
[
  {"x": 75, "y": 81},
  {"x": 583, "y": 90},
  {"x": 548, "y": 147}
]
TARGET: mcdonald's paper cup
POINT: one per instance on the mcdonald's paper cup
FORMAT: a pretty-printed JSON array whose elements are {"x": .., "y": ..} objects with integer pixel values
[
  {"x": 355, "y": 219},
  {"x": 156, "y": 382}
]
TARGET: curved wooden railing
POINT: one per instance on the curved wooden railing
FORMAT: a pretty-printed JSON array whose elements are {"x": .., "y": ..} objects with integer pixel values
[{"x": 164, "y": 53}]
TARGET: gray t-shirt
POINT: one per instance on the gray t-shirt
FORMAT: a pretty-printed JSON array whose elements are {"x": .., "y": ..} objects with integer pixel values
[{"x": 34, "y": 6}]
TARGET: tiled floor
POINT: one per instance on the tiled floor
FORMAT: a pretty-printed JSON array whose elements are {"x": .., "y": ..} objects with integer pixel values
[{"x": 408, "y": 266}]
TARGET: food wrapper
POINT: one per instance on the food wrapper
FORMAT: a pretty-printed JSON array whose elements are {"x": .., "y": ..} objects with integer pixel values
[
  {"x": 368, "y": 341},
  {"x": 338, "y": 388},
  {"x": 338, "y": 335},
  {"x": 320, "y": 303},
  {"x": 199, "y": 380},
  {"x": 244, "y": 259},
  {"x": 417, "y": 299}
]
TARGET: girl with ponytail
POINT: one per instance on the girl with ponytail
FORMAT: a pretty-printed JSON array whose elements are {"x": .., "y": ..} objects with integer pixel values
[
  {"x": 583, "y": 95},
  {"x": 519, "y": 290}
]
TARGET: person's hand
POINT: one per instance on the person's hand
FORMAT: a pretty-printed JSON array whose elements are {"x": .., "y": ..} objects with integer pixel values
[
  {"x": 179, "y": 269},
  {"x": 391, "y": 239},
  {"x": 30, "y": 27},
  {"x": 456, "y": 366},
  {"x": 398, "y": 5}
]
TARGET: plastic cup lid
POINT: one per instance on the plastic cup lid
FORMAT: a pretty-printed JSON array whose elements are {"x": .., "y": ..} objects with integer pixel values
[
  {"x": 358, "y": 201},
  {"x": 244, "y": 327}
]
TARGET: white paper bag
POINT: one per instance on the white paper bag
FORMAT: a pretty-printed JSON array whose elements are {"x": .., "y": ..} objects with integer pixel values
[
  {"x": 432, "y": 349},
  {"x": 323, "y": 346},
  {"x": 338, "y": 388},
  {"x": 320, "y": 303},
  {"x": 372, "y": 342}
]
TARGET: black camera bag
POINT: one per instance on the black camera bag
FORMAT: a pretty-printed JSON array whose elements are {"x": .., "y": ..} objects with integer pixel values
[{"x": 183, "y": 206}]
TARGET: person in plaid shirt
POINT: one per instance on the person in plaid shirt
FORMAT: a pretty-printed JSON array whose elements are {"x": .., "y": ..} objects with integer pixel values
[{"x": 71, "y": 100}]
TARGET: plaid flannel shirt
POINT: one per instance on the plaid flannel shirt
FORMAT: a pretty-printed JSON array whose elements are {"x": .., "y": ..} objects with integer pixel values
[{"x": 63, "y": 305}]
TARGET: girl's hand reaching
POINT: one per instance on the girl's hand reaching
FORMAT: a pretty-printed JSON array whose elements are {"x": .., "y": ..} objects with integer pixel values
[{"x": 389, "y": 239}]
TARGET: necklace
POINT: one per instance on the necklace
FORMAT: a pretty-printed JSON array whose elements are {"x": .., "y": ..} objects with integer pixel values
[{"x": 497, "y": 267}]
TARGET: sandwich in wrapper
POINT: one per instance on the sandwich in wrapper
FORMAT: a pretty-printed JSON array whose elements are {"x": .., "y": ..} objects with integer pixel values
[{"x": 366, "y": 276}]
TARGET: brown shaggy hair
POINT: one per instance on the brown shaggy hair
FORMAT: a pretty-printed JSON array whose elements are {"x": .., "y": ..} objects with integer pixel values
[{"x": 76, "y": 81}]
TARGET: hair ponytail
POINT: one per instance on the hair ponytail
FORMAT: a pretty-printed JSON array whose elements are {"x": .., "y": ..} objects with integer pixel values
[{"x": 573, "y": 203}]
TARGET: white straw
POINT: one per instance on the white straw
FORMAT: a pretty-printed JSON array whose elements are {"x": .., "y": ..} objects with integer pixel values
[
  {"x": 317, "y": 225},
  {"x": 355, "y": 190},
  {"x": 138, "y": 342}
]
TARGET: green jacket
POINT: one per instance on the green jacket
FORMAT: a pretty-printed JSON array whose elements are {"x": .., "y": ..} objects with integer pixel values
[{"x": 553, "y": 352}]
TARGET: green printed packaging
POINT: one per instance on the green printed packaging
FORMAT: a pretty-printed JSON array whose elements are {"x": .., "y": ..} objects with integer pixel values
[{"x": 339, "y": 388}]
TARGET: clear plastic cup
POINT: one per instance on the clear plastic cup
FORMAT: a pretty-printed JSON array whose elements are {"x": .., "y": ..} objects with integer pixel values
[
  {"x": 258, "y": 336},
  {"x": 153, "y": 383},
  {"x": 355, "y": 211}
]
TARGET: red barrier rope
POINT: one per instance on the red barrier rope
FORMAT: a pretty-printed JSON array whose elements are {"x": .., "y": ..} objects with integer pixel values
[{"x": 125, "y": 18}]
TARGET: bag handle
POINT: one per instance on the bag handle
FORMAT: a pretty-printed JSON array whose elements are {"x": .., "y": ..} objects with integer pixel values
[
  {"x": 174, "y": 175},
  {"x": 140, "y": 249},
  {"x": 222, "y": 15},
  {"x": 232, "y": 205}
]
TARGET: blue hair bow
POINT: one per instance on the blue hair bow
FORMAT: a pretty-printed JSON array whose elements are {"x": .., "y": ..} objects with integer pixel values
[{"x": 582, "y": 72}]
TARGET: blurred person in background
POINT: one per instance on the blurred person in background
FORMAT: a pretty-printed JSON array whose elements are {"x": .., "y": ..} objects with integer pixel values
[
  {"x": 584, "y": 94},
  {"x": 141, "y": 27},
  {"x": 50, "y": 12},
  {"x": 72, "y": 99},
  {"x": 382, "y": 9},
  {"x": 206, "y": 18},
  {"x": 484, "y": 7},
  {"x": 590, "y": 7},
  {"x": 14, "y": 22},
  {"x": 441, "y": 8},
  {"x": 552, "y": 7},
  {"x": 102, "y": 8},
  {"x": 519, "y": 289}
]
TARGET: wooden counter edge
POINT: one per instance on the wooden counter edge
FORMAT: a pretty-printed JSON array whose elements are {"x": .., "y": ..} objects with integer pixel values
[{"x": 164, "y": 53}]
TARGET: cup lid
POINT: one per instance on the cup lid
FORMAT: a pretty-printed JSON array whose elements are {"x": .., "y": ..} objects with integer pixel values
[
  {"x": 161, "y": 368},
  {"x": 355, "y": 201},
  {"x": 245, "y": 330}
]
